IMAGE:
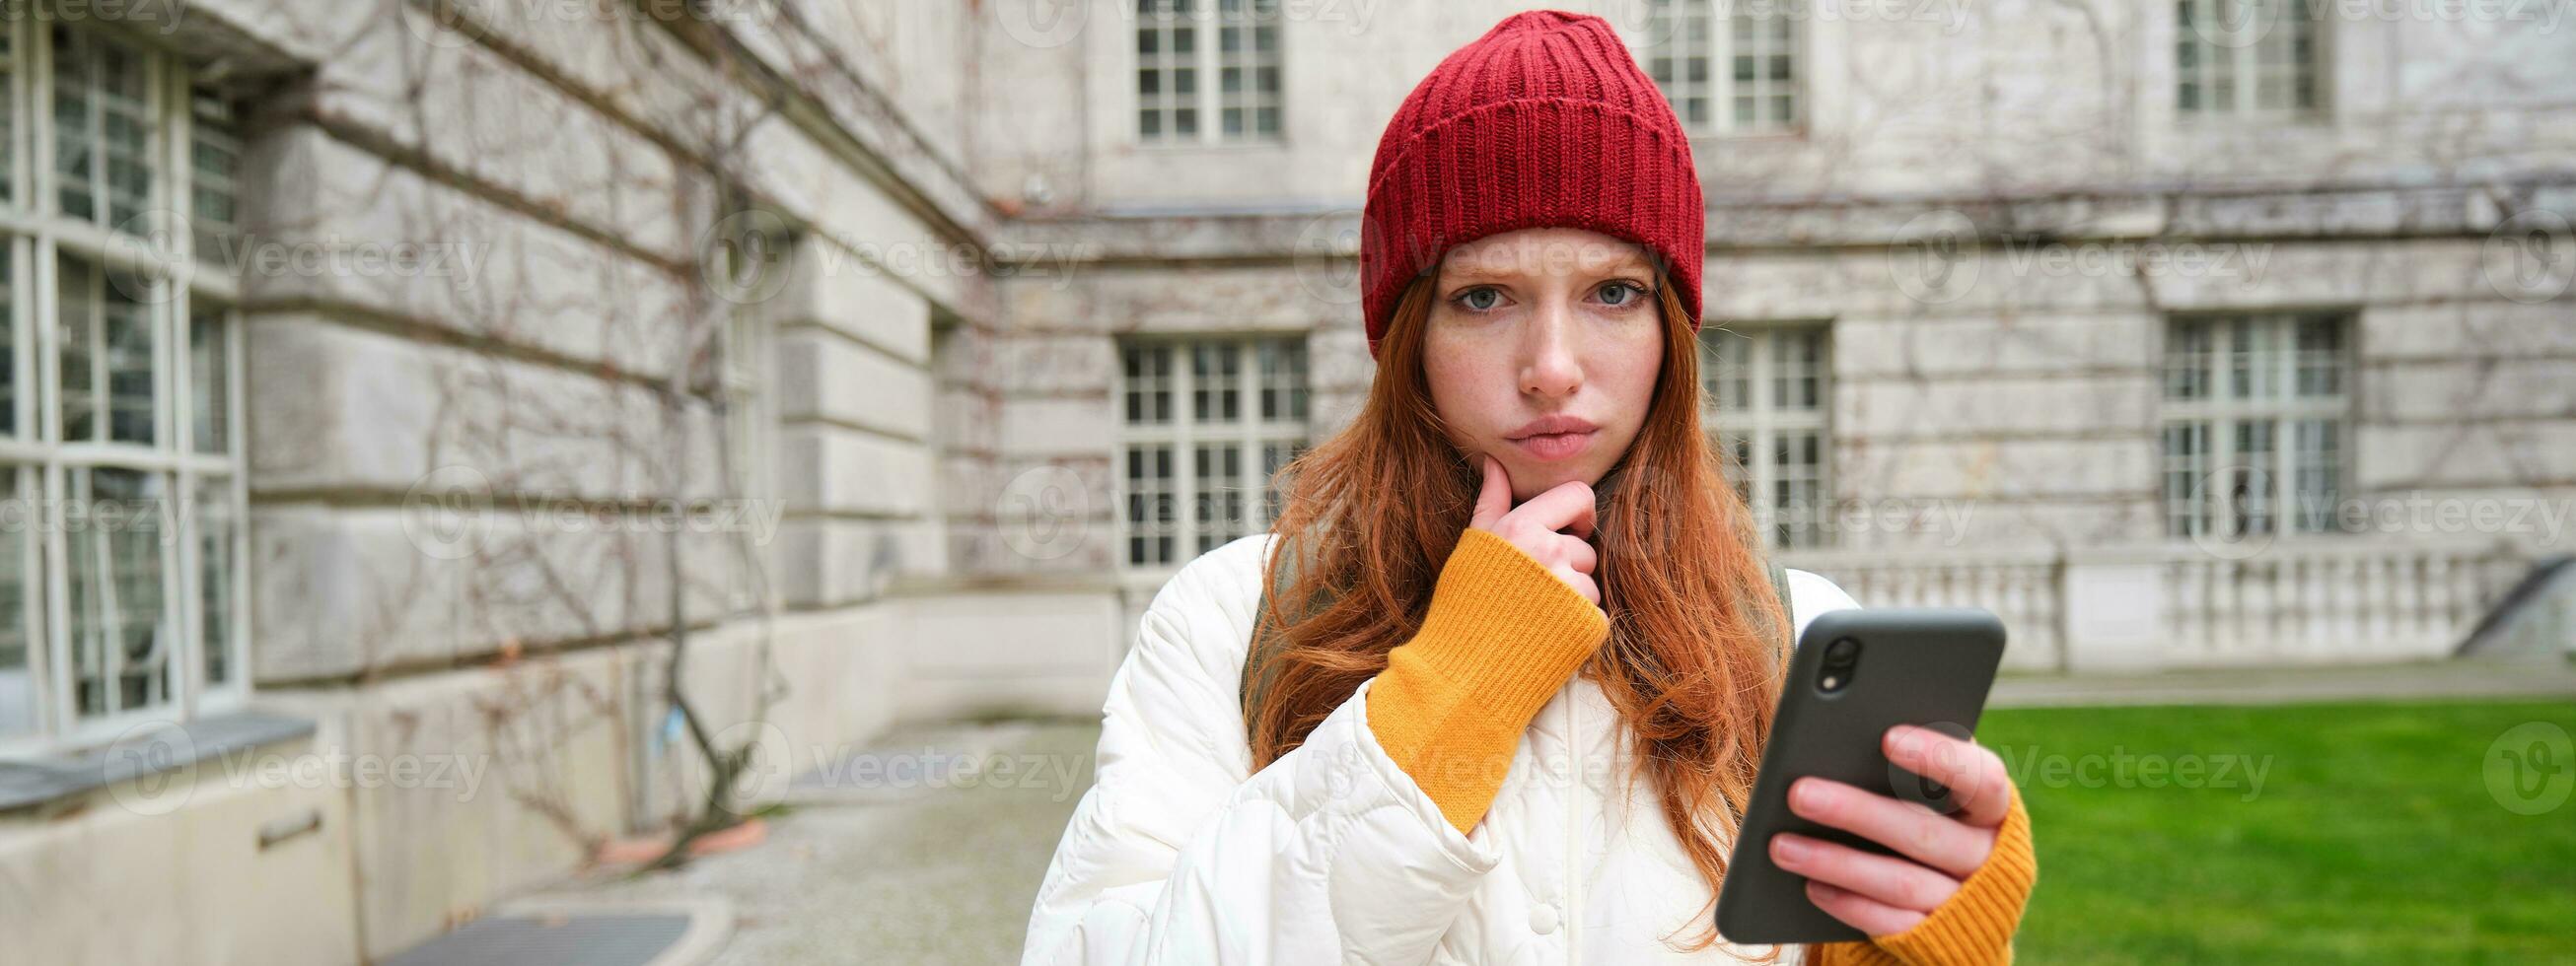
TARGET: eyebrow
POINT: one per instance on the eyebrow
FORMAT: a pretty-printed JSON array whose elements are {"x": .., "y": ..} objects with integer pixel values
[{"x": 1468, "y": 273}]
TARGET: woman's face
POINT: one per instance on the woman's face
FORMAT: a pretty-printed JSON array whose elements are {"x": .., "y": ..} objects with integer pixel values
[{"x": 1542, "y": 349}]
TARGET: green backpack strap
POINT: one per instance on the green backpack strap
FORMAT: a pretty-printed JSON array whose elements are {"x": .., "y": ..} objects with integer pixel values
[{"x": 1780, "y": 589}]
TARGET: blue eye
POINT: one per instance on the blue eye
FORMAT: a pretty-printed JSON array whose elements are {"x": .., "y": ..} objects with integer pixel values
[
  {"x": 1467, "y": 299},
  {"x": 1632, "y": 292}
]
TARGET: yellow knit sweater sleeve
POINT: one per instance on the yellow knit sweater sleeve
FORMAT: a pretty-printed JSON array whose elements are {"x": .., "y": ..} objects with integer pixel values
[
  {"x": 1975, "y": 927},
  {"x": 1502, "y": 634}
]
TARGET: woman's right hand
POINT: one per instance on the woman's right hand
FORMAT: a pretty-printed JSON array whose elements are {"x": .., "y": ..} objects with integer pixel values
[{"x": 1533, "y": 526}]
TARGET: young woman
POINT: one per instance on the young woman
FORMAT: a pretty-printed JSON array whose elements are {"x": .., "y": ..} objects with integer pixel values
[{"x": 1518, "y": 644}]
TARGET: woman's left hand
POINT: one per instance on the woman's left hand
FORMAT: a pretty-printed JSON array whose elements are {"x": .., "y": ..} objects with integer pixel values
[{"x": 1880, "y": 894}]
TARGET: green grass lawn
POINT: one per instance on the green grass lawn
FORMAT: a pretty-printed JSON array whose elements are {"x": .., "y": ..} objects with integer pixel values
[{"x": 2372, "y": 837}]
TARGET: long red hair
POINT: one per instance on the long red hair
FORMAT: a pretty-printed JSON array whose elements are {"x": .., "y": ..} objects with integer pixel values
[{"x": 1697, "y": 637}]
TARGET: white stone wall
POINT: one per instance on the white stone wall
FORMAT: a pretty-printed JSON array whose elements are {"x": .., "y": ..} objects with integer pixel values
[{"x": 566, "y": 168}]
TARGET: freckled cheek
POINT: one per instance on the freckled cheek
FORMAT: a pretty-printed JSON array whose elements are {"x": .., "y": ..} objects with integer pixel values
[{"x": 1473, "y": 393}]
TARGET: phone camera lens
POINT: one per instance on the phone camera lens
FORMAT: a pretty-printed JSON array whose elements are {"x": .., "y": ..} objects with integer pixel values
[
  {"x": 1842, "y": 660},
  {"x": 1843, "y": 651}
]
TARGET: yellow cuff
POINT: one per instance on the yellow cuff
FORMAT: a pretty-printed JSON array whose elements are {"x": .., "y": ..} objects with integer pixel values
[
  {"x": 1976, "y": 926},
  {"x": 1502, "y": 634}
]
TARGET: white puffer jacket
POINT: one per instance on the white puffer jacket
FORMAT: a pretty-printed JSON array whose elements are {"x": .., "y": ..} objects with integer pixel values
[{"x": 1179, "y": 853}]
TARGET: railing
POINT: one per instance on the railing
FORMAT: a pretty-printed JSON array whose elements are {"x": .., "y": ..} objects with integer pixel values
[
  {"x": 2021, "y": 587},
  {"x": 2179, "y": 605},
  {"x": 2334, "y": 600}
]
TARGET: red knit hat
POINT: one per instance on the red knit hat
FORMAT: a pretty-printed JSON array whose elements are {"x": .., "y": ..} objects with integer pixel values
[{"x": 1543, "y": 121}]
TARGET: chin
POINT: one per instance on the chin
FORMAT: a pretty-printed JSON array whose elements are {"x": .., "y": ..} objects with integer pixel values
[{"x": 1540, "y": 478}]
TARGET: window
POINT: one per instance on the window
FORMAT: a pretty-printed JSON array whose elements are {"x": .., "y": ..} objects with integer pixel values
[
  {"x": 1726, "y": 67},
  {"x": 1174, "y": 59},
  {"x": 1207, "y": 423},
  {"x": 2246, "y": 57},
  {"x": 121, "y": 538},
  {"x": 1768, "y": 393},
  {"x": 2254, "y": 424}
]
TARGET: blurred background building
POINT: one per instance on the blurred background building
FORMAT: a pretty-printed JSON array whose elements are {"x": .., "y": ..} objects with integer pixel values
[{"x": 422, "y": 380}]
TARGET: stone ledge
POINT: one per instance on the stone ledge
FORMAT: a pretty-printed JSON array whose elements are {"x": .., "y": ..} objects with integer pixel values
[{"x": 31, "y": 784}]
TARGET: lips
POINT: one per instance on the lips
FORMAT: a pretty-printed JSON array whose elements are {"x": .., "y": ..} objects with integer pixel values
[
  {"x": 1554, "y": 437},
  {"x": 1552, "y": 424}
]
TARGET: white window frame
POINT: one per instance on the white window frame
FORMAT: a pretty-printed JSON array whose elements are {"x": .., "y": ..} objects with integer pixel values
[
  {"x": 1763, "y": 421},
  {"x": 1209, "y": 23},
  {"x": 2250, "y": 44},
  {"x": 1247, "y": 435},
  {"x": 1715, "y": 32},
  {"x": 2190, "y": 513},
  {"x": 39, "y": 237}
]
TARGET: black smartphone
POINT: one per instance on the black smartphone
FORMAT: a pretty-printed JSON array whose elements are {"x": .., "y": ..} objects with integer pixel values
[{"x": 1856, "y": 673}]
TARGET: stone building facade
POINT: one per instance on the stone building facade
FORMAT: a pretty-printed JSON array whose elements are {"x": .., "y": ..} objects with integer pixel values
[{"x": 465, "y": 359}]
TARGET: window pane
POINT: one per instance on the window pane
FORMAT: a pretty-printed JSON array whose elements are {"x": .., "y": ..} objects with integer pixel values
[
  {"x": 76, "y": 321},
  {"x": 1150, "y": 486},
  {"x": 1283, "y": 379},
  {"x": 1149, "y": 384},
  {"x": 75, "y": 127},
  {"x": 120, "y": 632},
  {"x": 2318, "y": 482},
  {"x": 1768, "y": 393},
  {"x": 102, "y": 131},
  {"x": 1274, "y": 458},
  {"x": 210, "y": 393},
  {"x": 17, "y": 666},
  {"x": 214, "y": 153},
  {"x": 216, "y": 525},
  {"x": 2253, "y": 484},
  {"x": 2320, "y": 357},
  {"x": 126, "y": 330},
  {"x": 8, "y": 118},
  {"x": 2187, "y": 357},
  {"x": 1217, "y": 478},
  {"x": 1797, "y": 486},
  {"x": 8, "y": 338},
  {"x": 1216, "y": 383},
  {"x": 106, "y": 358},
  {"x": 2186, "y": 468},
  {"x": 2273, "y": 373}
]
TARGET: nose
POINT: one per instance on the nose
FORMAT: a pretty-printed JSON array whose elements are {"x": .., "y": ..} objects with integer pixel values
[{"x": 1548, "y": 364}]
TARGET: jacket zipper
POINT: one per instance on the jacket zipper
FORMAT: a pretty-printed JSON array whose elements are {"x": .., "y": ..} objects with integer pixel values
[{"x": 1575, "y": 748}]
